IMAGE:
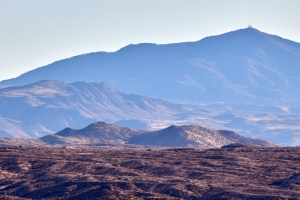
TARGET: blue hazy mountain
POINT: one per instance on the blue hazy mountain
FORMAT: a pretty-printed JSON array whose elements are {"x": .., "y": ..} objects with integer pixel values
[
  {"x": 48, "y": 106},
  {"x": 244, "y": 65}
]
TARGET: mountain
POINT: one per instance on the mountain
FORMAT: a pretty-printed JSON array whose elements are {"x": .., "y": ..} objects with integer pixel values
[
  {"x": 193, "y": 136},
  {"x": 98, "y": 132},
  {"x": 245, "y": 80},
  {"x": 49, "y": 106},
  {"x": 246, "y": 65},
  {"x": 101, "y": 133}
]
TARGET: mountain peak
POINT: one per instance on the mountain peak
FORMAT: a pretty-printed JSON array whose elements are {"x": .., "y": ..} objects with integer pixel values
[{"x": 244, "y": 65}]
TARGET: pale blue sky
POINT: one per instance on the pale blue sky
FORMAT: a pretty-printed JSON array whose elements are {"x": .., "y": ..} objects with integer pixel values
[{"x": 34, "y": 33}]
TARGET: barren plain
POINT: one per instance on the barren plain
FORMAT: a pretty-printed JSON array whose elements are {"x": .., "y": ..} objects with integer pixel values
[{"x": 233, "y": 172}]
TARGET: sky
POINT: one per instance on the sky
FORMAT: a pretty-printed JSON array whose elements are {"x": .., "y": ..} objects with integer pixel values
[{"x": 35, "y": 33}]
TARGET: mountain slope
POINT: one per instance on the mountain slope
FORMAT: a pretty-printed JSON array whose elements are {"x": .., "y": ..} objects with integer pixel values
[
  {"x": 98, "y": 132},
  {"x": 173, "y": 136},
  {"x": 49, "y": 106},
  {"x": 243, "y": 65}
]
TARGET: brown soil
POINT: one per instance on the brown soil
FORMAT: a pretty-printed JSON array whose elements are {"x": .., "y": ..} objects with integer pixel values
[{"x": 234, "y": 172}]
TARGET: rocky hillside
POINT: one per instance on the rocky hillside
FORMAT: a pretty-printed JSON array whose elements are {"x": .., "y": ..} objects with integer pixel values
[
  {"x": 193, "y": 136},
  {"x": 96, "y": 133},
  {"x": 103, "y": 134},
  {"x": 49, "y": 106}
]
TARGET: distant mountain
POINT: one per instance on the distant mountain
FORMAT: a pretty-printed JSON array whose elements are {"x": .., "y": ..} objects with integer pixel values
[
  {"x": 240, "y": 66},
  {"x": 48, "y": 106},
  {"x": 174, "y": 136}
]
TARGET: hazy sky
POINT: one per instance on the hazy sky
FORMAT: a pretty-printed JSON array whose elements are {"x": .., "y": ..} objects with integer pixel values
[{"x": 34, "y": 33}]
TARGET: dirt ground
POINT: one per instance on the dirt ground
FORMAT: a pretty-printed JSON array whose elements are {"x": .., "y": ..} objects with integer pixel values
[{"x": 227, "y": 173}]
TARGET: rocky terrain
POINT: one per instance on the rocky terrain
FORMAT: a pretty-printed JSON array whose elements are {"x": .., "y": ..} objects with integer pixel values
[
  {"x": 23, "y": 142},
  {"x": 193, "y": 136},
  {"x": 233, "y": 172},
  {"x": 98, "y": 133},
  {"x": 104, "y": 134}
]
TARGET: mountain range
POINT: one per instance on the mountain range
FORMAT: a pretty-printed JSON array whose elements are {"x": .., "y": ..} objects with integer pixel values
[
  {"x": 103, "y": 134},
  {"x": 246, "y": 81},
  {"x": 246, "y": 65},
  {"x": 46, "y": 107}
]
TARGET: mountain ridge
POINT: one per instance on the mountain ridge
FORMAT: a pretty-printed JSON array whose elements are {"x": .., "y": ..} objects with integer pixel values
[
  {"x": 242, "y": 65},
  {"x": 173, "y": 136},
  {"x": 48, "y": 106}
]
